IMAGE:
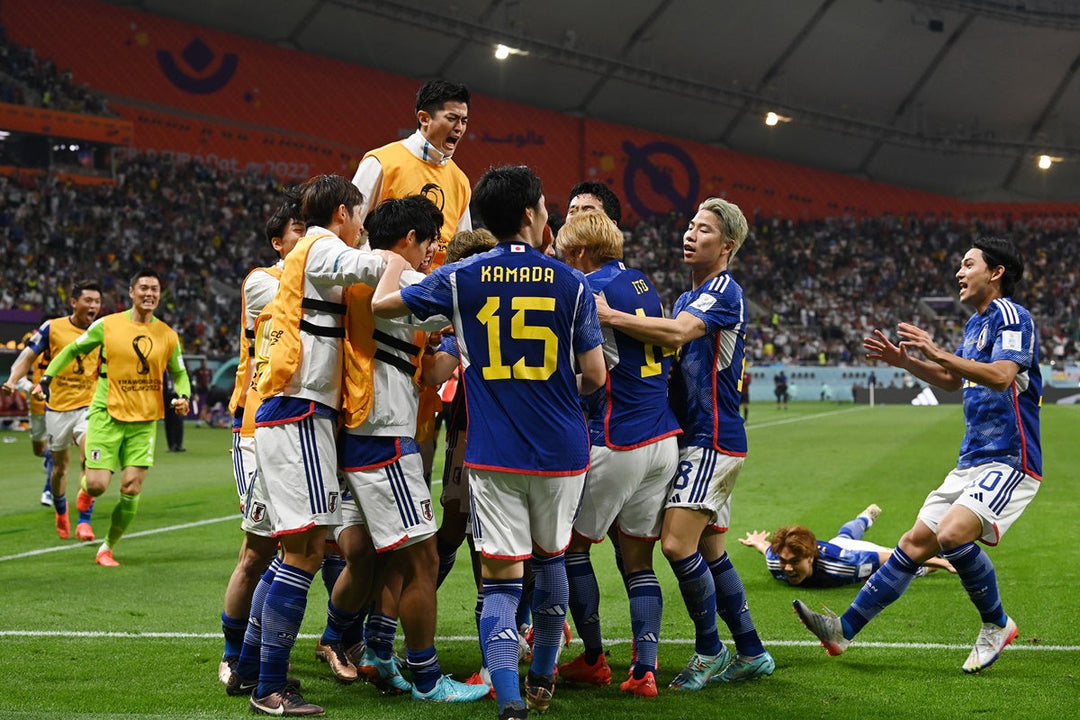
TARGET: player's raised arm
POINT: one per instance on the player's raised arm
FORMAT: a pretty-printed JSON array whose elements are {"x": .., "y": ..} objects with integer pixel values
[
  {"x": 997, "y": 375},
  {"x": 879, "y": 347},
  {"x": 387, "y": 302},
  {"x": 665, "y": 332}
]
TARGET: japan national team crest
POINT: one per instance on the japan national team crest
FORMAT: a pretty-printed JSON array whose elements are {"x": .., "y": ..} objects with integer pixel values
[
  {"x": 425, "y": 509},
  {"x": 981, "y": 342},
  {"x": 333, "y": 501},
  {"x": 95, "y": 454},
  {"x": 258, "y": 512}
]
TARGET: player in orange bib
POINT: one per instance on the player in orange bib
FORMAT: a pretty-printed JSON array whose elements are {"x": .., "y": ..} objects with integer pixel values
[
  {"x": 66, "y": 414},
  {"x": 136, "y": 350}
]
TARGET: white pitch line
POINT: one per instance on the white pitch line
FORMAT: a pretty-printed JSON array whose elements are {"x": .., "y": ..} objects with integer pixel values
[
  {"x": 801, "y": 418},
  {"x": 469, "y": 638},
  {"x": 141, "y": 533}
]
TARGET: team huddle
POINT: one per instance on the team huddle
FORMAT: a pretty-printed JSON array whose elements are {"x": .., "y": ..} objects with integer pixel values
[{"x": 581, "y": 412}]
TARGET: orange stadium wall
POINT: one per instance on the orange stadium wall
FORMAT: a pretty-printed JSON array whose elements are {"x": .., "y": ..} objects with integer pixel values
[
  {"x": 241, "y": 104},
  {"x": 23, "y": 118}
]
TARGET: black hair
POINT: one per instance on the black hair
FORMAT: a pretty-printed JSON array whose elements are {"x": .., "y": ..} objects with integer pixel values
[
  {"x": 394, "y": 218},
  {"x": 144, "y": 272},
  {"x": 322, "y": 195},
  {"x": 503, "y": 195},
  {"x": 433, "y": 94},
  {"x": 284, "y": 215},
  {"x": 81, "y": 286},
  {"x": 1000, "y": 252},
  {"x": 612, "y": 206}
]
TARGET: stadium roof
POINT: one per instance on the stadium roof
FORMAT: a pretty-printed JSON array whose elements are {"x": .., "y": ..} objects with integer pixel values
[{"x": 950, "y": 96}]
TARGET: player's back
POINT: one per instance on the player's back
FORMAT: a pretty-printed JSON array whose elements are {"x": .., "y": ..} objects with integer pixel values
[
  {"x": 632, "y": 409},
  {"x": 520, "y": 318}
]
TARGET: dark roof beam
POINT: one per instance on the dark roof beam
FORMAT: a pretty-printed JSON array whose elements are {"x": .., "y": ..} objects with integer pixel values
[
  {"x": 633, "y": 40},
  {"x": 450, "y": 25},
  {"x": 1040, "y": 123},
  {"x": 1012, "y": 11},
  {"x": 905, "y": 104},
  {"x": 454, "y": 54},
  {"x": 774, "y": 69}
]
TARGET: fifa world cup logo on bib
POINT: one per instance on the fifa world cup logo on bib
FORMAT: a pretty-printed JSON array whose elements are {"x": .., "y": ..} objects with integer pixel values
[
  {"x": 435, "y": 194},
  {"x": 142, "y": 345}
]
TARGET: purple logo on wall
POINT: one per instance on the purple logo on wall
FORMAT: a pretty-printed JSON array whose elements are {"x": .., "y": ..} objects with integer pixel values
[
  {"x": 644, "y": 177},
  {"x": 189, "y": 74}
]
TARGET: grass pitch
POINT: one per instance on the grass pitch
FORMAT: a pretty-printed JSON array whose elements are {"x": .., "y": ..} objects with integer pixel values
[{"x": 143, "y": 640}]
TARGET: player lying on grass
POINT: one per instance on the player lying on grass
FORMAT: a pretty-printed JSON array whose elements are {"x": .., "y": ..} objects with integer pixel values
[{"x": 796, "y": 556}]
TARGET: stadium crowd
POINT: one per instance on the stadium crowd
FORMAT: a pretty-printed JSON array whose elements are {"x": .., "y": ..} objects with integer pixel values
[
  {"x": 815, "y": 287},
  {"x": 200, "y": 227},
  {"x": 27, "y": 80}
]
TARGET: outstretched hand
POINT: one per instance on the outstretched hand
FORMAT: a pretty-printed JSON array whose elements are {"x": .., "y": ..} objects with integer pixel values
[
  {"x": 912, "y": 336},
  {"x": 879, "y": 347},
  {"x": 752, "y": 539}
]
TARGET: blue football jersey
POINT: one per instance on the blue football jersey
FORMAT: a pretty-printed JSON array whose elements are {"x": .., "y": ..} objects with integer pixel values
[
  {"x": 39, "y": 343},
  {"x": 457, "y": 419},
  {"x": 520, "y": 319},
  {"x": 707, "y": 378},
  {"x": 834, "y": 566},
  {"x": 1003, "y": 426},
  {"x": 632, "y": 409}
]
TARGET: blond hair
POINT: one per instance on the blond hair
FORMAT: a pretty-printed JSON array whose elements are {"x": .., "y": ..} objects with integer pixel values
[
  {"x": 593, "y": 231},
  {"x": 469, "y": 242},
  {"x": 732, "y": 221}
]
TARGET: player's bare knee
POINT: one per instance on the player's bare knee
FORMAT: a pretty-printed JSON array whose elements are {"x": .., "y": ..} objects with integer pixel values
[
  {"x": 674, "y": 550},
  {"x": 953, "y": 536},
  {"x": 919, "y": 544},
  {"x": 579, "y": 544},
  {"x": 96, "y": 486},
  {"x": 255, "y": 558}
]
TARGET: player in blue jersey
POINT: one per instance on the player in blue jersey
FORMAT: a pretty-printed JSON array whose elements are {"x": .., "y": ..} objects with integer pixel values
[
  {"x": 634, "y": 456},
  {"x": 709, "y": 325},
  {"x": 521, "y": 319},
  {"x": 1000, "y": 463},
  {"x": 455, "y": 492},
  {"x": 797, "y": 557},
  {"x": 595, "y": 196}
]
